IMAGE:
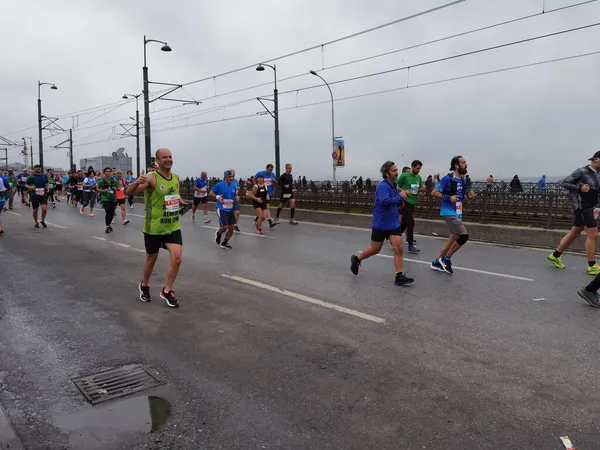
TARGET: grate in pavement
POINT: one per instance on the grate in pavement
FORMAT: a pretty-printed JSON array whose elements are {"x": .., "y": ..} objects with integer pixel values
[{"x": 115, "y": 383}]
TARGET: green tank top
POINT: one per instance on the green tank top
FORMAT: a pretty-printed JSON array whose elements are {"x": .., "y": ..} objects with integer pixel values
[{"x": 162, "y": 206}]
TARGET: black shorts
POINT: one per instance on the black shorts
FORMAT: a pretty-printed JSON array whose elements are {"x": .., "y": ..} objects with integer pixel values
[
  {"x": 285, "y": 200},
  {"x": 262, "y": 206},
  {"x": 154, "y": 242},
  {"x": 226, "y": 218},
  {"x": 584, "y": 218},
  {"x": 37, "y": 200},
  {"x": 382, "y": 235},
  {"x": 198, "y": 200},
  {"x": 120, "y": 201}
]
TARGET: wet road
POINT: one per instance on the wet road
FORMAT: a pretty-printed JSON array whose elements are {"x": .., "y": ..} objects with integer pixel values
[{"x": 469, "y": 361}]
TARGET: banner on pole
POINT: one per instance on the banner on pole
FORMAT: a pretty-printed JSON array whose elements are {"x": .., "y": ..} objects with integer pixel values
[{"x": 339, "y": 153}]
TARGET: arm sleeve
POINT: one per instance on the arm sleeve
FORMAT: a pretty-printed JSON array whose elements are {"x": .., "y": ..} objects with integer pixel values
[{"x": 570, "y": 183}]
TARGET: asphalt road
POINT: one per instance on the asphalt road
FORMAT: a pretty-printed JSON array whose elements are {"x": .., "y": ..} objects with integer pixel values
[{"x": 277, "y": 345}]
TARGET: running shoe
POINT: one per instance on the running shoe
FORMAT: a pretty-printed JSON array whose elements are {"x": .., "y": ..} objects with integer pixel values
[
  {"x": 145, "y": 293},
  {"x": 169, "y": 297},
  {"x": 218, "y": 237},
  {"x": 43, "y": 224},
  {"x": 82, "y": 210},
  {"x": 594, "y": 270},
  {"x": 226, "y": 245},
  {"x": 131, "y": 207},
  {"x": 413, "y": 249},
  {"x": 354, "y": 264},
  {"x": 193, "y": 216},
  {"x": 237, "y": 229},
  {"x": 37, "y": 225},
  {"x": 293, "y": 222},
  {"x": 276, "y": 219},
  {"x": 436, "y": 265},
  {"x": 107, "y": 230},
  {"x": 110, "y": 228},
  {"x": 402, "y": 279},
  {"x": 556, "y": 262},
  {"x": 590, "y": 297},
  {"x": 53, "y": 205},
  {"x": 206, "y": 220},
  {"x": 1, "y": 231},
  {"x": 259, "y": 231},
  {"x": 272, "y": 224},
  {"x": 446, "y": 264},
  {"x": 91, "y": 214},
  {"x": 125, "y": 222}
]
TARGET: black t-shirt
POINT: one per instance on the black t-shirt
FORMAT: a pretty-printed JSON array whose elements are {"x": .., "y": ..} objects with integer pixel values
[
  {"x": 286, "y": 179},
  {"x": 40, "y": 182}
]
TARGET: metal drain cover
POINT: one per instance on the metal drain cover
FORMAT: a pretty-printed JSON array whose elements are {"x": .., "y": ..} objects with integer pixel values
[{"x": 115, "y": 383}]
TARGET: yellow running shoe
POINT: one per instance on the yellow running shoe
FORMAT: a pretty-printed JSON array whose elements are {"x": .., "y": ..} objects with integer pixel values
[
  {"x": 594, "y": 270},
  {"x": 557, "y": 262}
]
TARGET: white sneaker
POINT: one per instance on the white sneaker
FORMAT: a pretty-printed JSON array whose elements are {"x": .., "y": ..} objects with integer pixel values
[
  {"x": 131, "y": 207},
  {"x": 276, "y": 219},
  {"x": 206, "y": 219},
  {"x": 293, "y": 222},
  {"x": 91, "y": 214},
  {"x": 125, "y": 222}
]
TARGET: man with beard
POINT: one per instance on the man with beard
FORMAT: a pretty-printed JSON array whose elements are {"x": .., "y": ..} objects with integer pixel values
[
  {"x": 452, "y": 189},
  {"x": 38, "y": 188}
]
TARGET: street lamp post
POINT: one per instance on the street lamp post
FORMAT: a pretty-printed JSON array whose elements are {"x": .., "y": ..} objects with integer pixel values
[
  {"x": 312, "y": 72},
  {"x": 137, "y": 129},
  {"x": 261, "y": 68},
  {"x": 39, "y": 104},
  {"x": 148, "y": 151}
]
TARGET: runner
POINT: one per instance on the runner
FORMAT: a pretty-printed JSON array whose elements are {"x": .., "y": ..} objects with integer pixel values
[
  {"x": 584, "y": 186},
  {"x": 270, "y": 180},
  {"x": 89, "y": 193},
  {"x": 22, "y": 189},
  {"x": 226, "y": 194},
  {"x": 107, "y": 186},
  {"x": 38, "y": 187},
  {"x": 201, "y": 196},
  {"x": 260, "y": 200},
  {"x": 14, "y": 186},
  {"x": 121, "y": 196},
  {"x": 162, "y": 227},
  {"x": 236, "y": 203},
  {"x": 451, "y": 189},
  {"x": 286, "y": 182},
  {"x": 58, "y": 181},
  {"x": 51, "y": 184},
  {"x": 411, "y": 183},
  {"x": 4, "y": 189},
  {"x": 386, "y": 223}
]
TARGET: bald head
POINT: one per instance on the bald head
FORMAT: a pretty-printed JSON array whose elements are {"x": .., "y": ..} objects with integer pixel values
[
  {"x": 164, "y": 159},
  {"x": 160, "y": 151}
]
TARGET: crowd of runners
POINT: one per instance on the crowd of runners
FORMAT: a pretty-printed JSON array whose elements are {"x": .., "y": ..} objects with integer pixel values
[{"x": 393, "y": 213}]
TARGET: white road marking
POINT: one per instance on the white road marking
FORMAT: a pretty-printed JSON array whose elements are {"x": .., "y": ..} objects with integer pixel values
[
  {"x": 55, "y": 225},
  {"x": 120, "y": 244},
  {"x": 485, "y": 272},
  {"x": 99, "y": 238},
  {"x": 306, "y": 299},
  {"x": 135, "y": 215},
  {"x": 14, "y": 213},
  {"x": 242, "y": 232}
]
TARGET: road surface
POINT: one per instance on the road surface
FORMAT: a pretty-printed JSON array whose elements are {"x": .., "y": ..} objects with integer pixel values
[{"x": 277, "y": 345}]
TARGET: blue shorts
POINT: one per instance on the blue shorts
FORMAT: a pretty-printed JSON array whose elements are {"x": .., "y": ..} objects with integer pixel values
[
  {"x": 226, "y": 218},
  {"x": 236, "y": 206}
]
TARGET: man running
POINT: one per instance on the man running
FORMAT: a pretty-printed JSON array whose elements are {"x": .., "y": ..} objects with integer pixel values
[
  {"x": 286, "y": 182},
  {"x": 386, "y": 223},
  {"x": 162, "y": 227},
  {"x": 270, "y": 180},
  {"x": 584, "y": 186},
  {"x": 51, "y": 184},
  {"x": 14, "y": 184},
  {"x": 59, "y": 186},
  {"x": 37, "y": 184},
  {"x": 22, "y": 189},
  {"x": 226, "y": 194},
  {"x": 201, "y": 196},
  {"x": 411, "y": 183},
  {"x": 130, "y": 179},
  {"x": 452, "y": 189},
  {"x": 107, "y": 186},
  {"x": 122, "y": 184}
]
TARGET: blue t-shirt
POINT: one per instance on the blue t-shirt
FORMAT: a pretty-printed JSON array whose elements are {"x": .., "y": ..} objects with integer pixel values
[
  {"x": 228, "y": 192},
  {"x": 385, "y": 212},
  {"x": 5, "y": 184},
  {"x": 270, "y": 180},
  {"x": 40, "y": 182},
  {"x": 200, "y": 184},
  {"x": 89, "y": 184},
  {"x": 23, "y": 179},
  {"x": 129, "y": 179},
  {"x": 445, "y": 185}
]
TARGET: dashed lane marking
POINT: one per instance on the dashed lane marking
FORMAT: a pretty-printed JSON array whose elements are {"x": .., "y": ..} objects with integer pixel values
[{"x": 242, "y": 232}]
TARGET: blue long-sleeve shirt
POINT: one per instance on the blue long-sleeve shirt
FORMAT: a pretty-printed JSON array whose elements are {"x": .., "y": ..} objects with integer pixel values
[{"x": 385, "y": 214}]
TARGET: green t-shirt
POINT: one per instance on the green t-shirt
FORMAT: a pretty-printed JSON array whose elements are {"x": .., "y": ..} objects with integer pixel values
[
  {"x": 112, "y": 185},
  {"x": 12, "y": 182},
  {"x": 161, "y": 216},
  {"x": 409, "y": 182}
]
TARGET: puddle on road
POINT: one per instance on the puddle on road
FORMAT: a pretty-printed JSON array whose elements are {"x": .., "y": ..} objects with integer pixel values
[{"x": 96, "y": 427}]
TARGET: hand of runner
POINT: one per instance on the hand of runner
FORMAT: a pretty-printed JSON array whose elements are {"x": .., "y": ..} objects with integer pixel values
[
  {"x": 585, "y": 188},
  {"x": 141, "y": 179},
  {"x": 454, "y": 199}
]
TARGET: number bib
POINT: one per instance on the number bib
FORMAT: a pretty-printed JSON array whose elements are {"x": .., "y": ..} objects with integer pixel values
[
  {"x": 80, "y": 187},
  {"x": 414, "y": 188},
  {"x": 227, "y": 205},
  {"x": 172, "y": 203},
  {"x": 287, "y": 195},
  {"x": 39, "y": 191},
  {"x": 459, "y": 209},
  {"x": 199, "y": 194}
]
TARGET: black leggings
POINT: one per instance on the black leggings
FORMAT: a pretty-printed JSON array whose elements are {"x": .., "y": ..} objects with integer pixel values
[
  {"x": 130, "y": 200},
  {"x": 89, "y": 198},
  {"x": 109, "y": 208},
  {"x": 408, "y": 222},
  {"x": 51, "y": 195}
]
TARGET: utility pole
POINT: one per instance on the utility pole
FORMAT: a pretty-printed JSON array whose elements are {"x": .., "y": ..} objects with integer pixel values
[{"x": 70, "y": 148}]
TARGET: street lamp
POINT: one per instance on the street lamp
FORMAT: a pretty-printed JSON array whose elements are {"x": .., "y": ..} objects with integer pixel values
[
  {"x": 39, "y": 102},
  {"x": 148, "y": 151},
  {"x": 312, "y": 72},
  {"x": 261, "y": 68},
  {"x": 137, "y": 129}
]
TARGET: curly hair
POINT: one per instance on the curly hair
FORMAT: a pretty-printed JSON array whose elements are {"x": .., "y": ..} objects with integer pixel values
[{"x": 385, "y": 168}]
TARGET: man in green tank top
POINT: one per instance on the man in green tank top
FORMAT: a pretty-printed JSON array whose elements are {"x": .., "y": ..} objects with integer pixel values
[{"x": 162, "y": 227}]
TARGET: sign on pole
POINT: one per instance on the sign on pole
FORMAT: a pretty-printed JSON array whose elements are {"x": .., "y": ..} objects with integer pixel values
[{"x": 339, "y": 153}]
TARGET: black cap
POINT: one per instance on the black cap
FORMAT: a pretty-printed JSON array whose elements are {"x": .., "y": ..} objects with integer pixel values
[{"x": 596, "y": 155}]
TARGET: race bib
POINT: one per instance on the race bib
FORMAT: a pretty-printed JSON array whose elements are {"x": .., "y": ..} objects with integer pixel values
[
  {"x": 227, "y": 204},
  {"x": 287, "y": 195},
  {"x": 110, "y": 191},
  {"x": 80, "y": 187},
  {"x": 414, "y": 188},
  {"x": 39, "y": 191},
  {"x": 596, "y": 213},
  {"x": 459, "y": 209},
  {"x": 172, "y": 203},
  {"x": 267, "y": 182},
  {"x": 199, "y": 194}
]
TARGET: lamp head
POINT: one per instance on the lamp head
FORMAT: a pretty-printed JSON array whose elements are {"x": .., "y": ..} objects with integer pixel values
[
  {"x": 312, "y": 72},
  {"x": 53, "y": 87},
  {"x": 165, "y": 48},
  {"x": 260, "y": 68},
  {"x": 125, "y": 96}
]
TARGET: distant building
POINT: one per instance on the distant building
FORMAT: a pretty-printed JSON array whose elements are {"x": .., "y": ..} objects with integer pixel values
[{"x": 118, "y": 160}]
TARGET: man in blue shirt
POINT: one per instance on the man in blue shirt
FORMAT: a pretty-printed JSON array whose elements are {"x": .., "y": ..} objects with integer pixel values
[
  {"x": 452, "y": 189},
  {"x": 270, "y": 181},
  {"x": 386, "y": 223},
  {"x": 38, "y": 186},
  {"x": 201, "y": 196},
  {"x": 226, "y": 194},
  {"x": 22, "y": 189}
]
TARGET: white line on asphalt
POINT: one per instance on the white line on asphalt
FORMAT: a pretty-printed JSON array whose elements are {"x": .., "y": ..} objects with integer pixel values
[
  {"x": 485, "y": 272},
  {"x": 120, "y": 244},
  {"x": 55, "y": 225},
  {"x": 306, "y": 299},
  {"x": 99, "y": 238},
  {"x": 135, "y": 215},
  {"x": 242, "y": 232},
  {"x": 14, "y": 213}
]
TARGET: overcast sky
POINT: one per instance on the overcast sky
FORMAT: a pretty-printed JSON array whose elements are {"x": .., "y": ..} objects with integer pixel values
[{"x": 530, "y": 121}]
